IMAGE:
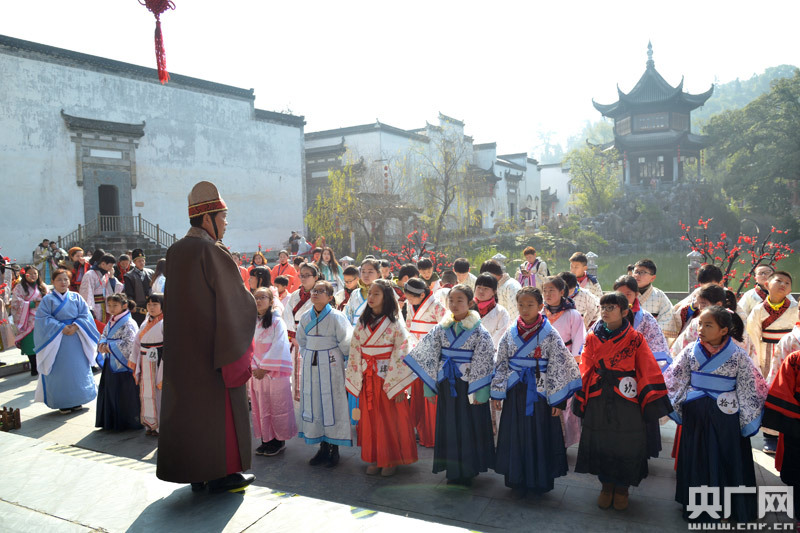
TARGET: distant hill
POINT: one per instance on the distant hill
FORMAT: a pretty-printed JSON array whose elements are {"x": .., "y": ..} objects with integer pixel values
[{"x": 738, "y": 93}]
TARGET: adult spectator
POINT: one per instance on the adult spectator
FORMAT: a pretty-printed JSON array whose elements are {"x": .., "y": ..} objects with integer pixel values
[
  {"x": 66, "y": 341},
  {"x": 138, "y": 283},
  {"x": 25, "y": 298},
  {"x": 42, "y": 260},
  {"x": 285, "y": 268}
]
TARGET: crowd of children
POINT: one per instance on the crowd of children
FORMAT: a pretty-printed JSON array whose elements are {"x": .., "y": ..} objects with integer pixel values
[{"x": 493, "y": 372}]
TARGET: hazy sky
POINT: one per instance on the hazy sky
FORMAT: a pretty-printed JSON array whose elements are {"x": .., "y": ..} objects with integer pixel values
[{"x": 511, "y": 70}]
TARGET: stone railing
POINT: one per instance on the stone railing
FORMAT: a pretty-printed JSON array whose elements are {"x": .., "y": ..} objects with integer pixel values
[{"x": 117, "y": 225}]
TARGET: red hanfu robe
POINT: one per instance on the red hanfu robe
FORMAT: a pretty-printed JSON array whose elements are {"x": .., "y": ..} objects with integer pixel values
[
  {"x": 376, "y": 375},
  {"x": 782, "y": 413}
]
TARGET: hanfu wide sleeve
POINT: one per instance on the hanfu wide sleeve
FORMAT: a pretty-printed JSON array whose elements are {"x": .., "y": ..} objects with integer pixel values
[
  {"x": 344, "y": 332},
  {"x": 501, "y": 369},
  {"x": 424, "y": 358},
  {"x": 650, "y": 385},
  {"x": 577, "y": 332},
  {"x": 277, "y": 361},
  {"x": 481, "y": 368},
  {"x": 563, "y": 377},
  {"x": 788, "y": 344},
  {"x": 678, "y": 377},
  {"x": 751, "y": 391},
  {"x": 354, "y": 373},
  {"x": 398, "y": 375},
  {"x": 655, "y": 338}
]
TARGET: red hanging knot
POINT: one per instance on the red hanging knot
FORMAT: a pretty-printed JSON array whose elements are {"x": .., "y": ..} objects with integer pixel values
[{"x": 157, "y": 7}]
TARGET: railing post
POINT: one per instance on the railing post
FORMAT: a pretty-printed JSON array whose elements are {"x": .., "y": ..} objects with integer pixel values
[
  {"x": 140, "y": 223},
  {"x": 158, "y": 234},
  {"x": 591, "y": 267},
  {"x": 694, "y": 265},
  {"x": 80, "y": 239}
]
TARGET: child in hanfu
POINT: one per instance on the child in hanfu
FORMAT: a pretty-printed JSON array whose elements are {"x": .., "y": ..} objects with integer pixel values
[
  {"x": 568, "y": 322},
  {"x": 323, "y": 415},
  {"x": 622, "y": 390},
  {"x": 118, "y": 405},
  {"x": 532, "y": 365},
  {"x": 718, "y": 395},
  {"x": 767, "y": 324},
  {"x": 270, "y": 386},
  {"x": 377, "y": 377},
  {"x": 146, "y": 363},
  {"x": 425, "y": 311},
  {"x": 456, "y": 360},
  {"x": 298, "y": 304}
]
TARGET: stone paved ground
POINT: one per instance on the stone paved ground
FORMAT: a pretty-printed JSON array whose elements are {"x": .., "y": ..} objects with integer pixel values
[{"x": 57, "y": 478}]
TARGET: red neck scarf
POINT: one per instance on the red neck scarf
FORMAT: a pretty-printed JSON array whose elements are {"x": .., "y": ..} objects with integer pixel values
[
  {"x": 526, "y": 331},
  {"x": 485, "y": 307},
  {"x": 636, "y": 307},
  {"x": 304, "y": 297}
]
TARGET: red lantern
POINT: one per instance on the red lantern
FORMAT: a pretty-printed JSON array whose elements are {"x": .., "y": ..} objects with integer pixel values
[{"x": 157, "y": 7}]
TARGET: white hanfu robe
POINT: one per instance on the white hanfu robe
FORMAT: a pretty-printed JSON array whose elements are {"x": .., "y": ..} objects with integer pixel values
[
  {"x": 355, "y": 306},
  {"x": 496, "y": 322},
  {"x": 147, "y": 369},
  {"x": 95, "y": 288},
  {"x": 751, "y": 298},
  {"x": 323, "y": 413},
  {"x": 587, "y": 305},
  {"x": 592, "y": 285},
  {"x": 507, "y": 289},
  {"x": 766, "y": 339},
  {"x": 788, "y": 344},
  {"x": 421, "y": 321},
  {"x": 655, "y": 302},
  {"x": 291, "y": 318}
]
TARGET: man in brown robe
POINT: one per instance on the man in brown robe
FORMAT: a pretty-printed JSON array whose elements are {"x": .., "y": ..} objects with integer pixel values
[{"x": 204, "y": 434}]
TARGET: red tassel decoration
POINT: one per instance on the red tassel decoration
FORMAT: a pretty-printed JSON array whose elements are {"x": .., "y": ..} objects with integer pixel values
[{"x": 157, "y": 7}]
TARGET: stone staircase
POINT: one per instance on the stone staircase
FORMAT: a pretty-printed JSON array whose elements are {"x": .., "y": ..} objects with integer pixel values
[
  {"x": 119, "y": 244},
  {"x": 117, "y": 234}
]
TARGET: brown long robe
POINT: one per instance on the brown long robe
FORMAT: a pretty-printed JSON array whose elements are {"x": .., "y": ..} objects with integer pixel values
[{"x": 205, "y": 328}]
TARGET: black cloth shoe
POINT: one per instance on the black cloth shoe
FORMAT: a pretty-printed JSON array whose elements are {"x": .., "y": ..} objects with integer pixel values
[
  {"x": 770, "y": 444},
  {"x": 322, "y": 454},
  {"x": 262, "y": 450},
  {"x": 274, "y": 447},
  {"x": 199, "y": 486},
  {"x": 231, "y": 482},
  {"x": 333, "y": 456}
]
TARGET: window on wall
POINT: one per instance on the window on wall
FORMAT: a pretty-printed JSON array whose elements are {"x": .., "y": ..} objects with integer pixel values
[
  {"x": 624, "y": 125},
  {"x": 680, "y": 121},
  {"x": 651, "y": 122}
]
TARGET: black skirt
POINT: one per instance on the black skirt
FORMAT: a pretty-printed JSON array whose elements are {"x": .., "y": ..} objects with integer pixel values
[
  {"x": 653, "y": 430},
  {"x": 118, "y": 405},
  {"x": 713, "y": 453},
  {"x": 464, "y": 444},
  {"x": 530, "y": 449},
  {"x": 613, "y": 440}
]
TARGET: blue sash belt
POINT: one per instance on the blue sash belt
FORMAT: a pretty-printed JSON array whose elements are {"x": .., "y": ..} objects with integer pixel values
[
  {"x": 452, "y": 357},
  {"x": 709, "y": 385},
  {"x": 525, "y": 371}
]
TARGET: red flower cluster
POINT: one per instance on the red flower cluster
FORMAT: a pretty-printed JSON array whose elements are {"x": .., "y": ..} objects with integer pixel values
[
  {"x": 414, "y": 250},
  {"x": 720, "y": 252}
]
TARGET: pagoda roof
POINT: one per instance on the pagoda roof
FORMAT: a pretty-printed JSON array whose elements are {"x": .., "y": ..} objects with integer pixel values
[
  {"x": 671, "y": 138},
  {"x": 653, "y": 90}
]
